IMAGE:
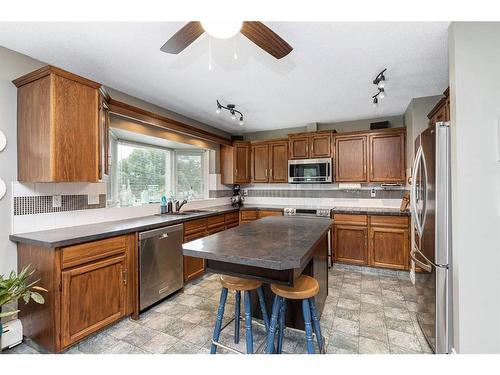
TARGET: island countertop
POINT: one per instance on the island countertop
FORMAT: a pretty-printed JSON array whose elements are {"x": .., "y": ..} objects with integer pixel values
[{"x": 277, "y": 243}]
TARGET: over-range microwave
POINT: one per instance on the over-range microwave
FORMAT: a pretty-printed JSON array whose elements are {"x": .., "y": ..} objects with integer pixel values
[{"x": 310, "y": 171}]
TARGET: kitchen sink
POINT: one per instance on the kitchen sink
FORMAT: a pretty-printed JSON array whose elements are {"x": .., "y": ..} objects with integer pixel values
[{"x": 185, "y": 212}]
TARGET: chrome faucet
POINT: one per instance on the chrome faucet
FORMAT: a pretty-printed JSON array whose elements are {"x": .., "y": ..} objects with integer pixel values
[{"x": 179, "y": 206}]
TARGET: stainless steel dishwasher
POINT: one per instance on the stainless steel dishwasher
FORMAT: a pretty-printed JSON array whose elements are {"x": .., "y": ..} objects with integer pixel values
[{"x": 161, "y": 264}]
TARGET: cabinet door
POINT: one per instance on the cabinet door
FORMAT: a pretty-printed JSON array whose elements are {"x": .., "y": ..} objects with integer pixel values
[
  {"x": 247, "y": 216},
  {"x": 103, "y": 137},
  {"x": 388, "y": 247},
  {"x": 320, "y": 146},
  {"x": 299, "y": 147},
  {"x": 278, "y": 162},
  {"x": 93, "y": 296},
  {"x": 260, "y": 163},
  {"x": 266, "y": 213},
  {"x": 241, "y": 163},
  {"x": 193, "y": 267},
  {"x": 76, "y": 133},
  {"x": 350, "y": 244},
  {"x": 350, "y": 159},
  {"x": 387, "y": 157}
]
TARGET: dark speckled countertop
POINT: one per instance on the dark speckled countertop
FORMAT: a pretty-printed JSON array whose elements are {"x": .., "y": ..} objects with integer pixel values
[
  {"x": 84, "y": 233},
  {"x": 277, "y": 243},
  {"x": 384, "y": 211}
]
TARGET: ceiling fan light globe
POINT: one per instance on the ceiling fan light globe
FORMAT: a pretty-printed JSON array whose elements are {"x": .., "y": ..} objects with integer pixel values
[{"x": 222, "y": 29}]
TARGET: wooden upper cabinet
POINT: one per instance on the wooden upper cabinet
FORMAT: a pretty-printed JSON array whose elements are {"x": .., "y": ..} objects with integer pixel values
[
  {"x": 311, "y": 145},
  {"x": 441, "y": 111},
  {"x": 260, "y": 162},
  {"x": 350, "y": 158},
  {"x": 299, "y": 147},
  {"x": 103, "y": 134},
  {"x": 387, "y": 157},
  {"x": 235, "y": 163},
  {"x": 278, "y": 161},
  {"x": 58, "y": 132},
  {"x": 320, "y": 146}
]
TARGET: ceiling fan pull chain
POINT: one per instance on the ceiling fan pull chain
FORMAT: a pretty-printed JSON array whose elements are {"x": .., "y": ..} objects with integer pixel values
[{"x": 209, "y": 52}]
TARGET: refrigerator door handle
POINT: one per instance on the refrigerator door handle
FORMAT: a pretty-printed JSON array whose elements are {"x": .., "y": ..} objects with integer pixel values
[
  {"x": 413, "y": 200},
  {"x": 427, "y": 267}
]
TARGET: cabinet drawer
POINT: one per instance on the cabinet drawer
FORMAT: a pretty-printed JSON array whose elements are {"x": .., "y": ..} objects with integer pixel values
[
  {"x": 248, "y": 215},
  {"x": 350, "y": 219},
  {"x": 194, "y": 236},
  {"x": 232, "y": 217},
  {"x": 266, "y": 213},
  {"x": 215, "y": 221},
  {"x": 389, "y": 221},
  {"x": 232, "y": 225},
  {"x": 195, "y": 226},
  {"x": 91, "y": 251}
]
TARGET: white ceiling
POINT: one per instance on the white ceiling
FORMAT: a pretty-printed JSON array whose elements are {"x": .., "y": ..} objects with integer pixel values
[{"x": 326, "y": 78}]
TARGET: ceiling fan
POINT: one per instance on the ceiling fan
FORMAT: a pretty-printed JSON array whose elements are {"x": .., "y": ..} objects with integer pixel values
[{"x": 256, "y": 31}]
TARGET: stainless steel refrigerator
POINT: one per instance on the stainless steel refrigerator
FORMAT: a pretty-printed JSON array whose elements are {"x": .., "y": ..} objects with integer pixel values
[{"x": 431, "y": 248}]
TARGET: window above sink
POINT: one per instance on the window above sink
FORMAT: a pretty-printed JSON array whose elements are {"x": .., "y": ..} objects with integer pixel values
[{"x": 143, "y": 168}]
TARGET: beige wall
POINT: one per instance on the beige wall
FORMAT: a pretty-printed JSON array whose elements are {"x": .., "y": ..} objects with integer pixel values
[
  {"x": 474, "y": 56},
  {"x": 12, "y": 66},
  {"x": 341, "y": 127},
  {"x": 416, "y": 121}
]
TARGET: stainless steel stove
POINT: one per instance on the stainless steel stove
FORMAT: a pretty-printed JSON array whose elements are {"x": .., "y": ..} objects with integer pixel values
[{"x": 313, "y": 212}]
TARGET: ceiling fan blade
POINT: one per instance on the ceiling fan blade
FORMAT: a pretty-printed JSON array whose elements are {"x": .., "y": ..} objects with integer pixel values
[
  {"x": 183, "y": 38},
  {"x": 266, "y": 39}
]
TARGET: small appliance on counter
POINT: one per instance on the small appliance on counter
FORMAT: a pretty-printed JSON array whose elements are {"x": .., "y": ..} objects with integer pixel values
[{"x": 237, "y": 198}]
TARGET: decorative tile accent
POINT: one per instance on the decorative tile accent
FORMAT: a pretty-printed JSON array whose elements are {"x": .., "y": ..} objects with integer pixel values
[
  {"x": 331, "y": 193},
  {"x": 220, "y": 193},
  {"x": 42, "y": 204}
]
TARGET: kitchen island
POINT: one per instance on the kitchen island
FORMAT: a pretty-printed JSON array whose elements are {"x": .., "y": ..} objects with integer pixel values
[{"x": 273, "y": 250}]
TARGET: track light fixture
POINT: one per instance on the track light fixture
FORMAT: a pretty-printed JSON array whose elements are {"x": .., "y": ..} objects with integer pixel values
[
  {"x": 232, "y": 110},
  {"x": 380, "y": 82}
]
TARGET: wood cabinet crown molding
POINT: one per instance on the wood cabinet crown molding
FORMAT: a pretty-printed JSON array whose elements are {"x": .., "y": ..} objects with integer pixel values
[
  {"x": 441, "y": 111},
  {"x": 49, "y": 69},
  {"x": 151, "y": 118}
]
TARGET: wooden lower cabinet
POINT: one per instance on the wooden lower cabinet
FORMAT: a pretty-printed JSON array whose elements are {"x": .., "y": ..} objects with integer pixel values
[
  {"x": 388, "y": 247},
  {"x": 351, "y": 244},
  {"x": 378, "y": 241},
  {"x": 247, "y": 216},
  {"x": 194, "y": 229},
  {"x": 89, "y": 286},
  {"x": 93, "y": 296}
]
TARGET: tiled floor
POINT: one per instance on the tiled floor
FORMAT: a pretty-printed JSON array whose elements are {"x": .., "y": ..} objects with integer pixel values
[{"x": 365, "y": 312}]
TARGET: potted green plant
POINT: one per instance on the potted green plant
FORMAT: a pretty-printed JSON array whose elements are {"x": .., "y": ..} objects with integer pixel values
[{"x": 16, "y": 286}]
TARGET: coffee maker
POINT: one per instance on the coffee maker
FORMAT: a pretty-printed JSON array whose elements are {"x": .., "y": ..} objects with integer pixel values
[{"x": 237, "y": 199}]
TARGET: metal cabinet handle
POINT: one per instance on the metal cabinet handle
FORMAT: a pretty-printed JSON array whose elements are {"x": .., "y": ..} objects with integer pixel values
[
  {"x": 124, "y": 277},
  {"x": 162, "y": 236}
]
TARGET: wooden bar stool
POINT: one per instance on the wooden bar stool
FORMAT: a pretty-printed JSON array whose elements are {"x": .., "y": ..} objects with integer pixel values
[
  {"x": 239, "y": 285},
  {"x": 305, "y": 289}
]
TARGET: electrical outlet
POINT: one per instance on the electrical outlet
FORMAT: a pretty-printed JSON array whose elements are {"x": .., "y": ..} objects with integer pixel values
[
  {"x": 56, "y": 201},
  {"x": 93, "y": 199},
  {"x": 245, "y": 192},
  {"x": 373, "y": 193}
]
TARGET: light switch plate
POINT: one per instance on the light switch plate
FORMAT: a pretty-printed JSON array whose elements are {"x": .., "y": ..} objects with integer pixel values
[
  {"x": 56, "y": 201},
  {"x": 93, "y": 199},
  {"x": 373, "y": 193}
]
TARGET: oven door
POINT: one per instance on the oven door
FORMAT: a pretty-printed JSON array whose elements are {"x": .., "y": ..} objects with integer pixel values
[{"x": 310, "y": 171}]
